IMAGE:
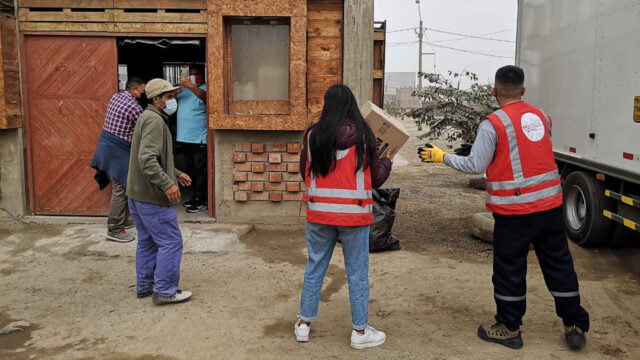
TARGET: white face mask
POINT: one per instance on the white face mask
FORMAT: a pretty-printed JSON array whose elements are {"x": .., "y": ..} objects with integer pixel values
[
  {"x": 171, "y": 106},
  {"x": 193, "y": 79}
]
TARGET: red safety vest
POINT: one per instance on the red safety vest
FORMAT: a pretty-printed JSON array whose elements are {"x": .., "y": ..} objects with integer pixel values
[
  {"x": 523, "y": 177},
  {"x": 343, "y": 197}
]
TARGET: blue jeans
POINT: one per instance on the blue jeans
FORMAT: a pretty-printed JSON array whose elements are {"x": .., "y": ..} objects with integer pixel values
[
  {"x": 321, "y": 239},
  {"x": 159, "y": 247}
]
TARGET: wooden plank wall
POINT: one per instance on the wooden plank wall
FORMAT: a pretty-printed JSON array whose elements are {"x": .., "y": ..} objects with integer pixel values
[
  {"x": 324, "y": 52},
  {"x": 122, "y": 16},
  {"x": 10, "y": 110},
  {"x": 379, "y": 38}
]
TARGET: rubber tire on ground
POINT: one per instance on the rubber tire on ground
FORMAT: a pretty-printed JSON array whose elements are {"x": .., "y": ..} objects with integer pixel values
[
  {"x": 482, "y": 226},
  {"x": 479, "y": 183},
  {"x": 596, "y": 227}
]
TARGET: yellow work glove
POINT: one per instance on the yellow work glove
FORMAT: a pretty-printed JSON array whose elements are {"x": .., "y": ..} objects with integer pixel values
[{"x": 429, "y": 154}]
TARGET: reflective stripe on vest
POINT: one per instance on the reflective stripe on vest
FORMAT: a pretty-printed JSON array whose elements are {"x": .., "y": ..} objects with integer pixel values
[
  {"x": 519, "y": 180},
  {"x": 525, "y": 198},
  {"x": 546, "y": 119},
  {"x": 339, "y": 208}
]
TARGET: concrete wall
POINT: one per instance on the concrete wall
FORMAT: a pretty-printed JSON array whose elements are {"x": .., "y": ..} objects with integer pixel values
[
  {"x": 358, "y": 48},
  {"x": 12, "y": 176},
  {"x": 257, "y": 212}
]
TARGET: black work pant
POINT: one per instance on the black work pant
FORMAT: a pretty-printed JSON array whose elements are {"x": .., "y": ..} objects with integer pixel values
[
  {"x": 512, "y": 237},
  {"x": 195, "y": 158}
]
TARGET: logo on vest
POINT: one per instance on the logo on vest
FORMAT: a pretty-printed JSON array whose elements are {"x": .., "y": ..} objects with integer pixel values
[{"x": 532, "y": 126}]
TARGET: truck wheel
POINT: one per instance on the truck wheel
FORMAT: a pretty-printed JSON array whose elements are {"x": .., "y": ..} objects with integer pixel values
[{"x": 584, "y": 201}]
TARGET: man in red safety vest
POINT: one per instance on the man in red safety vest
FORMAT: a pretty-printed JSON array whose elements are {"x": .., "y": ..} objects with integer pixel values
[{"x": 524, "y": 193}]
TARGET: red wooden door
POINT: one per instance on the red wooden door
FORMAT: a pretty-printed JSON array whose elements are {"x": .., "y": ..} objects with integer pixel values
[{"x": 69, "y": 83}]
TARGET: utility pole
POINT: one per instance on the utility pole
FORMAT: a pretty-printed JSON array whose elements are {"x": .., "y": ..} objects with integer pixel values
[{"x": 420, "y": 33}]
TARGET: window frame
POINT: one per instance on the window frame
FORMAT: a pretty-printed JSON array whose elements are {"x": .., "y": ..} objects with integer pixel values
[{"x": 252, "y": 107}]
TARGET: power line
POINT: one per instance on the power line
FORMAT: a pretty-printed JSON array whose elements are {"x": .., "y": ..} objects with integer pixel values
[
  {"x": 465, "y": 37},
  {"x": 469, "y": 36},
  {"x": 480, "y": 37},
  {"x": 471, "y": 51},
  {"x": 406, "y": 43}
]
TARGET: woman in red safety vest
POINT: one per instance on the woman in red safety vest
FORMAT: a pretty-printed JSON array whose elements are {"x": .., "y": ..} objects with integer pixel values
[{"x": 340, "y": 165}]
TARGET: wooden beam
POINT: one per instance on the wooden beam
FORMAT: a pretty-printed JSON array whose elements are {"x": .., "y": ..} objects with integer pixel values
[
  {"x": 378, "y": 74},
  {"x": 26, "y": 14},
  {"x": 95, "y": 4},
  {"x": 160, "y": 4}
]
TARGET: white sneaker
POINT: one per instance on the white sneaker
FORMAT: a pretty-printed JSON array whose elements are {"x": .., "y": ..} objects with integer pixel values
[
  {"x": 370, "y": 338},
  {"x": 180, "y": 296},
  {"x": 301, "y": 331}
]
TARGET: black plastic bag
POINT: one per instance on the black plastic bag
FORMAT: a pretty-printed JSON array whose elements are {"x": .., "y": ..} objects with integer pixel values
[{"x": 384, "y": 215}]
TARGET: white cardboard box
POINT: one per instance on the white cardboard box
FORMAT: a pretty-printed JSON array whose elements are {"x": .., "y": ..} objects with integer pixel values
[{"x": 390, "y": 133}]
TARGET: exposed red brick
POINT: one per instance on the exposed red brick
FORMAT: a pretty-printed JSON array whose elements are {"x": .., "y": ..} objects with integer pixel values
[
  {"x": 257, "y": 186},
  {"x": 244, "y": 186},
  {"x": 293, "y": 167},
  {"x": 257, "y": 157},
  {"x": 239, "y": 157},
  {"x": 276, "y": 147},
  {"x": 292, "y": 196},
  {"x": 293, "y": 148},
  {"x": 275, "y": 158},
  {"x": 257, "y": 176},
  {"x": 291, "y": 177},
  {"x": 293, "y": 186},
  {"x": 257, "y": 167},
  {"x": 257, "y": 148},
  {"x": 275, "y": 186},
  {"x": 291, "y": 158},
  {"x": 275, "y": 196},
  {"x": 243, "y": 167},
  {"x": 240, "y": 196},
  {"x": 277, "y": 167},
  {"x": 244, "y": 147},
  {"x": 259, "y": 196},
  {"x": 275, "y": 177},
  {"x": 239, "y": 176}
]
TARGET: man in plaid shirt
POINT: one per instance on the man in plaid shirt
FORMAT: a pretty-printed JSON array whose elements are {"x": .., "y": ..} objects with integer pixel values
[{"x": 122, "y": 113}]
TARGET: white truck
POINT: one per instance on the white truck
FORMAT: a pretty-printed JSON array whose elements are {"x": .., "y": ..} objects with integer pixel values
[{"x": 581, "y": 60}]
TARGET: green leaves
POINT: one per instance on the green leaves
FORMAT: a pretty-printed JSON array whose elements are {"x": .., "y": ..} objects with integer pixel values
[{"x": 450, "y": 112}]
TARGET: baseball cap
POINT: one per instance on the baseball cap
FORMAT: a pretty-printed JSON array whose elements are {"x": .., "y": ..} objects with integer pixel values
[{"x": 158, "y": 86}]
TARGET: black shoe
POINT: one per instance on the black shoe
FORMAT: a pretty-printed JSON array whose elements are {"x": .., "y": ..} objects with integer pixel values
[
  {"x": 142, "y": 295},
  {"x": 197, "y": 208},
  {"x": 499, "y": 333},
  {"x": 190, "y": 203},
  {"x": 575, "y": 337}
]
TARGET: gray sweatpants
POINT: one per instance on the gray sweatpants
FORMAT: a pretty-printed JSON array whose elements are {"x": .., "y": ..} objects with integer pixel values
[{"x": 119, "y": 209}]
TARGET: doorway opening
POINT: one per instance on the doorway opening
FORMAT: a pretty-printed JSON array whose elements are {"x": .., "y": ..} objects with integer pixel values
[{"x": 170, "y": 58}]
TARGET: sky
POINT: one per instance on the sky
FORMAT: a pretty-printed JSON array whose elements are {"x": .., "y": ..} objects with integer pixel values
[{"x": 495, "y": 19}]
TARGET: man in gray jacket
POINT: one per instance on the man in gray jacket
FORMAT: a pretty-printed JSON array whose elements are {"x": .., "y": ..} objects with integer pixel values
[{"x": 152, "y": 189}]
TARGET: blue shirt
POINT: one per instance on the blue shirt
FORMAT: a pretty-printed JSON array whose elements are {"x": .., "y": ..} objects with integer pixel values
[{"x": 192, "y": 117}]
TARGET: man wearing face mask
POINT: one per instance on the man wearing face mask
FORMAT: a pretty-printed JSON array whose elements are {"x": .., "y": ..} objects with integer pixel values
[
  {"x": 152, "y": 188},
  {"x": 192, "y": 134},
  {"x": 111, "y": 159}
]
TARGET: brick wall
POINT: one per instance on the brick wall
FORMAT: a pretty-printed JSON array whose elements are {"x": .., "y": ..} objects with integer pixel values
[{"x": 267, "y": 172}]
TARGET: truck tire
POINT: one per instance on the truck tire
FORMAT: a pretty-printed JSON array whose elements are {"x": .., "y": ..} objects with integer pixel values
[{"x": 584, "y": 201}]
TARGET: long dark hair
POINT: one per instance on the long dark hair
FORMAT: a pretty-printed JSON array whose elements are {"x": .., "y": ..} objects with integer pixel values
[{"x": 340, "y": 107}]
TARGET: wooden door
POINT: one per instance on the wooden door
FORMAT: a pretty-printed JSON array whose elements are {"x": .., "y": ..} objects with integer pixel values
[{"x": 69, "y": 81}]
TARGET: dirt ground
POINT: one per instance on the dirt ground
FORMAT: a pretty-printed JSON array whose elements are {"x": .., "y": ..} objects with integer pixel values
[{"x": 74, "y": 292}]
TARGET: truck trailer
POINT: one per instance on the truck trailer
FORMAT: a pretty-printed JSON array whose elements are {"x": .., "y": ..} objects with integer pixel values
[{"x": 581, "y": 60}]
